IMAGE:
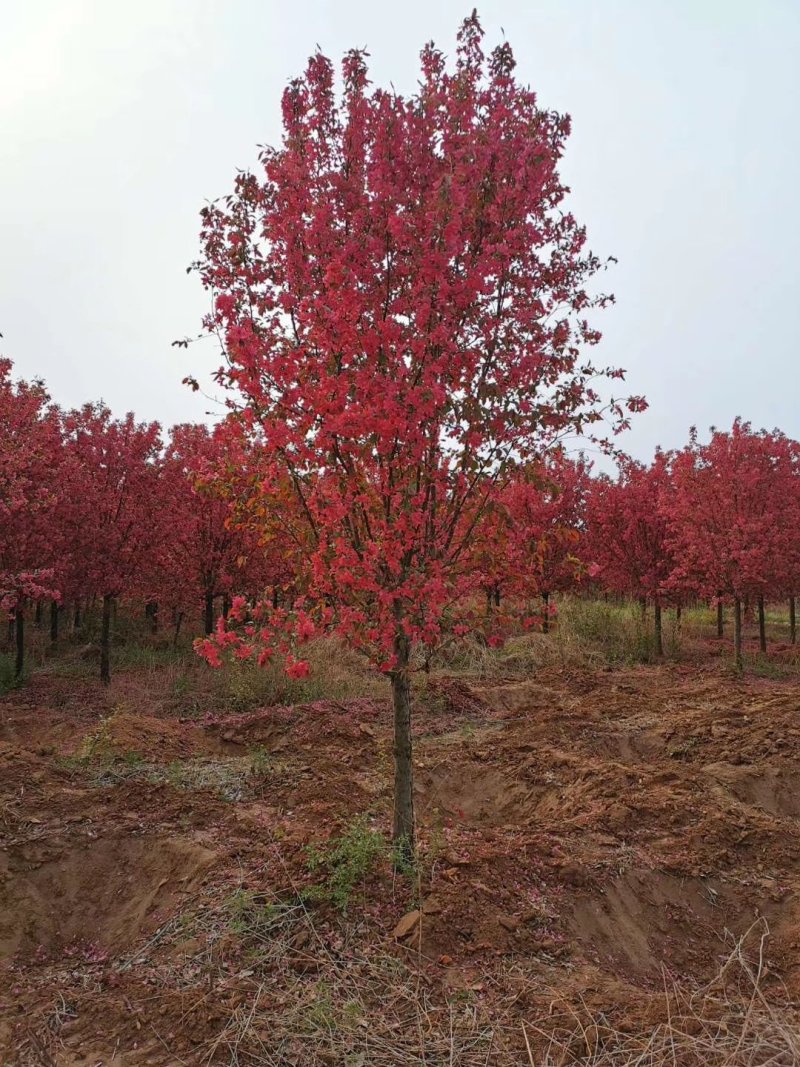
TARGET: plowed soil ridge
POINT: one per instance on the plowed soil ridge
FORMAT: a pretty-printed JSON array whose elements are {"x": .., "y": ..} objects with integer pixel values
[{"x": 592, "y": 832}]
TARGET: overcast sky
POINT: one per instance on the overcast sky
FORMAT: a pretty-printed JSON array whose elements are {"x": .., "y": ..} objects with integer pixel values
[{"x": 118, "y": 119}]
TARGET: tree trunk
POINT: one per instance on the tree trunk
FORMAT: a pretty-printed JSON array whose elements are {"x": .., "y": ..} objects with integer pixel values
[
  {"x": 226, "y": 605},
  {"x": 76, "y": 619},
  {"x": 497, "y": 595},
  {"x": 37, "y": 618},
  {"x": 792, "y": 622},
  {"x": 209, "y": 614},
  {"x": 53, "y": 621},
  {"x": 643, "y": 606},
  {"x": 19, "y": 626},
  {"x": 658, "y": 629},
  {"x": 737, "y": 635},
  {"x": 11, "y": 630},
  {"x": 403, "y": 834},
  {"x": 275, "y": 598},
  {"x": 151, "y": 613},
  {"x": 762, "y": 625},
  {"x": 105, "y": 639},
  {"x": 720, "y": 620},
  {"x": 178, "y": 621},
  {"x": 546, "y": 616},
  {"x": 678, "y": 616}
]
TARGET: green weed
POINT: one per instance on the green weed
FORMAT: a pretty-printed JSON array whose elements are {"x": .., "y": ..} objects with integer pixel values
[
  {"x": 262, "y": 764},
  {"x": 8, "y": 678},
  {"x": 346, "y": 862}
]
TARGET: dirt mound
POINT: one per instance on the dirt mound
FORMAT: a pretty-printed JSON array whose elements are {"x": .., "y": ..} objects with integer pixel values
[
  {"x": 467, "y": 793},
  {"x": 515, "y": 698},
  {"x": 634, "y": 745},
  {"x": 21, "y": 770},
  {"x": 774, "y": 789},
  {"x": 644, "y": 921},
  {"x": 297, "y": 724},
  {"x": 43, "y": 732},
  {"x": 158, "y": 740},
  {"x": 94, "y": 895}
]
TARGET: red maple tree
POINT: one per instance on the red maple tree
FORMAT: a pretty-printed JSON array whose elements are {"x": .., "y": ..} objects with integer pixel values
[
  {"x": 545, "y": 506},
  {"x": 627, "y": 534},
  {"x": 30, "y": 439},
  {"x": 733, "y": 518},
  {"x": 110, "y": 508},
  {"x": 403, "y": 302}
]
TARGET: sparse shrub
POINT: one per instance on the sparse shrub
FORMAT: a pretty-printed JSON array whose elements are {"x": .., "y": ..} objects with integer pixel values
[
  {"x": 8, "y": 681},
  {"x": 346, "y": 862},
  {"x": 264, "y": 923},
  {"x": 98, "y": 746},
  {"x": 181, "y": 686},
  {"x": 248, "y": 913},
  {"x": 261, "y": 762},
  {"x": 177, "y": 774},
  {"x": 132, "y": 759}
]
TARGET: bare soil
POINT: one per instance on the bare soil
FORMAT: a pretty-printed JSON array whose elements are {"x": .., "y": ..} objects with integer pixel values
[{"x": 588, "y": 838}]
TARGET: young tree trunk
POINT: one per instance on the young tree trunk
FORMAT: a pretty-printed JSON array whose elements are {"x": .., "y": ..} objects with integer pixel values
[
  {"x": 105, "y": 639},
  {"x": 275, "y": 598},
  {"x": 11, "y": 630},
  {"x": 209, "y": 614},
  {"x": 497, "y": 595},
  {"x": 658, "y": 628},
  {"x": 19, "y": 626},
  {"x": 643, "y": 606},
  {"x": 678, "y": 616},
  {"x": 54, "y": 612},
  {"x": 226, "y": 605},
  {"x": 792, "y": 622},
  {"x": 403, "y": 833},
  {"x": 151, "y": 613},
  {"x": 37, "y": 618},
  {"x": 720, "y": 620},
  {"x": 546, "y": 615},
  {"x": 737, "y": 635},
  {"x": 762, "y": 625},
  {"x": 77, "y": 621},
  {"x": 178, "y": 621}
]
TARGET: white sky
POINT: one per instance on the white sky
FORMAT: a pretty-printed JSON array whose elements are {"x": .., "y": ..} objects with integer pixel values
[{"x": 119, "y": 119}]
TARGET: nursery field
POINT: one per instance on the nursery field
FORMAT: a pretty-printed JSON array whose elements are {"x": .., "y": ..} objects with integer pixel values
[
  {"x": 195, "y": 865},
  {"x": 382, "y": 702}
]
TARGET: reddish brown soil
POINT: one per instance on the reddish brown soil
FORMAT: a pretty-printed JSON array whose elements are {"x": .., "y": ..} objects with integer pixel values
[{"x": 586, "y": 836}]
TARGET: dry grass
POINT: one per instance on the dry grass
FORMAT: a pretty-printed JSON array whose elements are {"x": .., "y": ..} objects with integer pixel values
[
  {"x": 585, "y": 633},
  {"x": 728, "y": 1023},
  {"x": 312, "y": 1005},
  {"x": 322, "y": 998},
  {"x": 337, "y": 673}
]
